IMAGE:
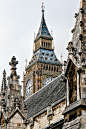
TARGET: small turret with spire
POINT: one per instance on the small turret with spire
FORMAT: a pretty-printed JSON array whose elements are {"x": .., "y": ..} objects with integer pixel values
[
  {"x": 4, "y": 79},
  {"x": 3, "y": 86}
]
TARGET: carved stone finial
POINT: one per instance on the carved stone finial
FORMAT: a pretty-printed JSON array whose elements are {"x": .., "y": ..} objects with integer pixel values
[
  {"x": 4, "y": 74},
  {"x": 13, "y": 64}
]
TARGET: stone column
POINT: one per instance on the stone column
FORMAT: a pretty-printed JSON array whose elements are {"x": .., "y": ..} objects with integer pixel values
[
  {"x": 67, "y": 93},
  {"x": 78, "y": 93},
  {"x": 36, "y": 88},
  {"x": 33, "y": 79}
]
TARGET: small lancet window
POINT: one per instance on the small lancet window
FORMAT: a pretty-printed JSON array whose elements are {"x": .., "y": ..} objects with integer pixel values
[
  {"x": 44, "y": 67},
  {"x": 42, "y": 44},
  {"x": 46, "y": 44},
  {"x": 57, "y": 69},
  {"x": 49, "y": 68},
  {"x": 54, "y": 69}
]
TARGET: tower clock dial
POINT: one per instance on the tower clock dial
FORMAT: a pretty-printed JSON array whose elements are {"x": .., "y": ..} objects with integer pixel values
[
  {"x": 48, "y": 80},
  {"x": 29, "y": 88}
]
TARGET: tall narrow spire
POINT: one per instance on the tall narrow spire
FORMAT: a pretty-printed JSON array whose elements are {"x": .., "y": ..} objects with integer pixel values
[
  {"x": 4, "y": 79},
  {"x": 43, "y": 30},
  {"x": 3, "y": 87}
]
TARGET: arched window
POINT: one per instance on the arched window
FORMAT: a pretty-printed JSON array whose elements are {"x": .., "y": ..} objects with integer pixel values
[
  {"x": 49, "y": 68},
  {"x": 54, "y": 69},
  {"x": 46, "y": 67},
  {"x": 42, "y": 44},
  {"x": 57, "y": 69},
  {"x": 46, "y": 44}
]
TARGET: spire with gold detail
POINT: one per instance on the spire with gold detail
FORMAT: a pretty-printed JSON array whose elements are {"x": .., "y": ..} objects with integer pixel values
[{"x": 43, "y": 30}]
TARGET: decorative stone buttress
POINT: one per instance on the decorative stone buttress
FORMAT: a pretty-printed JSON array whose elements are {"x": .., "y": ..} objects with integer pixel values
[
  {"x": 13, "y": 113},
  {"x": 75, "y": 112},
  {"x": 44, "y": 65}
]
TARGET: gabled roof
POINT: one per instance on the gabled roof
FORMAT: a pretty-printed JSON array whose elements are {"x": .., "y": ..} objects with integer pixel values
[
  {"x": 69, "y": 61},
  {"x": 46, "y": 96},
  {"x": 43, "y": 30},
  {"x": 17, "y": 111}
]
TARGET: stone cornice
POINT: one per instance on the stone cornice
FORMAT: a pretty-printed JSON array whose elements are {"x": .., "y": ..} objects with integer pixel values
[{"x": 74, "y": 105}]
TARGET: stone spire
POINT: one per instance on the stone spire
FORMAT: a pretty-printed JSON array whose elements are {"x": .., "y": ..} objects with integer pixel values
[
  {"x": 4, "y": 79},
  {"x": 3, "y": 86}
]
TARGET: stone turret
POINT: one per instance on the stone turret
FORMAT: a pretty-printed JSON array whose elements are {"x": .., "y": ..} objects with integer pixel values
[
  {"x": 12, "y": 101},
  {"x": 3, "y": 87}
]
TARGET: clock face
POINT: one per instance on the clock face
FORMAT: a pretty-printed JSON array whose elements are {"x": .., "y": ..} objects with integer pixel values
[
  {"x": 48, "y": 80},
  {"x": 29, "y": 88}
]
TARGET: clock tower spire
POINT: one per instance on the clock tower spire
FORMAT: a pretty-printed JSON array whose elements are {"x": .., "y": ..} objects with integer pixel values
[{"x": 44, "y": 65}]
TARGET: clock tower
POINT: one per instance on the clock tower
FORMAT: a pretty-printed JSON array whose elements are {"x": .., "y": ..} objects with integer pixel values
[{"x": 44, "y": 65}]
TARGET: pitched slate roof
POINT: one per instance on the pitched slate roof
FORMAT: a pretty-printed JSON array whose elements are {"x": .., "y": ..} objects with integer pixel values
[
  {"x": 45, "y": 96},
  {"x": 43, "y": 30},
  {"x": 44, "y": 56}
]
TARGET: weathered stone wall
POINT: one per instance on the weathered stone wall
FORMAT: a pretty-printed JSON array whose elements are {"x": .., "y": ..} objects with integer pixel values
[
  {"x": 16, "y": 122},
  {"x": 46, "y": 119}
]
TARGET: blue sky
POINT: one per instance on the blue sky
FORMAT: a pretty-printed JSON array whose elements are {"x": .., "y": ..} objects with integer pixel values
[{"x": 19, "y": 19}]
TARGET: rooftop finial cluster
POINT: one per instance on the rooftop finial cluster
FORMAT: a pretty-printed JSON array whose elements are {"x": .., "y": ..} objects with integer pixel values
[{"x": 42, "y": 7}]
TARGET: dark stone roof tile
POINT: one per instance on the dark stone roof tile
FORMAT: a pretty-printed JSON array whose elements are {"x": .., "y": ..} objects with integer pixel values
[{"x": 45, "y": 96}]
